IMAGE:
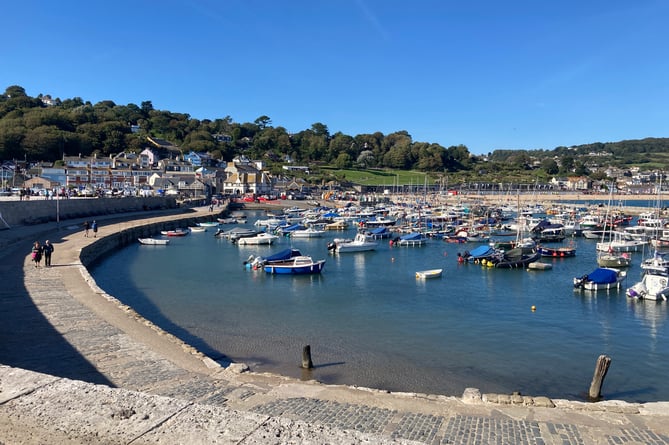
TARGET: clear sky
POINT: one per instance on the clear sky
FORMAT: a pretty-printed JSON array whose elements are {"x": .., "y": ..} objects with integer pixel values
[{"x": 488, "y": 74}]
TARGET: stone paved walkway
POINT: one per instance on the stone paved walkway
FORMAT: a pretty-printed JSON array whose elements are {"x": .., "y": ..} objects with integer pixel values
[{"x": 51, "y": 321}]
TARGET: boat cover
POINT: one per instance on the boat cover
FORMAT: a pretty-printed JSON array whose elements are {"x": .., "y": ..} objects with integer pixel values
[
  {"x": 603, "y": 276},
  {"x": 293, "y": 227},
  {"x": 285, "y": 254},
  {"x": 481, "y": 252},
  {"x": 411, "y": 236},
  {"x": 379, "y": 231},
  {"x": 544, "y": 225}
]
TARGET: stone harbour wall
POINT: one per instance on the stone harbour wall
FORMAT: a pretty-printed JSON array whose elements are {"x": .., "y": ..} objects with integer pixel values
[{"x": 39, "y": 210}]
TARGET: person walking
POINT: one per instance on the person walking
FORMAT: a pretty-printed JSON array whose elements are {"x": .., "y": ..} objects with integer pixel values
[
  {"x": 37, "y": 253},
  {"x": 87, "y": 227},
  {"x": 94, "y": 226},
  {"x": 48, "y": 250}
]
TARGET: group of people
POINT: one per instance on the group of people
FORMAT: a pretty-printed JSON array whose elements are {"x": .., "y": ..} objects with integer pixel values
[
  {"x": 88, "y": 226},
  {"x": 39, "y": 251}
]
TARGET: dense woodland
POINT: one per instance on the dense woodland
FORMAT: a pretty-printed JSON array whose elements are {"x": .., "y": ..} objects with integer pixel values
[{"x": 45, "y": 129}]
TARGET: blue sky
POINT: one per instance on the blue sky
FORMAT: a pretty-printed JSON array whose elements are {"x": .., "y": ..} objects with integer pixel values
[{"x": 487, "y": 74}]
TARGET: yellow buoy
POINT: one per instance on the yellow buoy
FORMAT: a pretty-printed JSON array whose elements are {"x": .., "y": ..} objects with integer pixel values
[{"x": 534, "y": 308}]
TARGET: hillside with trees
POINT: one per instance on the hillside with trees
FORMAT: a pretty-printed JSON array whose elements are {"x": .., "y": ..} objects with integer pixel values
[{"x": 45, "y": 129}]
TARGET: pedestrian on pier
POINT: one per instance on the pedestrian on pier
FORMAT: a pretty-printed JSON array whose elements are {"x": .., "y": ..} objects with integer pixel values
[
  {"x": 48, "y": 250},
  {"x": 87, "y": 227},
  {"x": 94, "y": 226},
  {"x": 36, "y": 253}
]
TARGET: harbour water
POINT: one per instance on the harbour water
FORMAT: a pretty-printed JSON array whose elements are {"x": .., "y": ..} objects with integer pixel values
[{"x": 371, "y": 323}]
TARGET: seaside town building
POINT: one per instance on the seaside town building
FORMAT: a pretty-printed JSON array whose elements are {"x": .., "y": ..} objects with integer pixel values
[{"x": 160, "y": 168}]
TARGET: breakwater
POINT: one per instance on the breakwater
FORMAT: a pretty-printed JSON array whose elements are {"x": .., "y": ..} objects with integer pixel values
[{"x": 40, "y": 211}]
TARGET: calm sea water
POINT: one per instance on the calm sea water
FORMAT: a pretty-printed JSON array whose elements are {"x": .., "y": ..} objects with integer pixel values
[{"x": 369, "y": 322}]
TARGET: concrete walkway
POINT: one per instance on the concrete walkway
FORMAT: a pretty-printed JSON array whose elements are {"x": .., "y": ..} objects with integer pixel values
[{"x": 79, "y": 367}]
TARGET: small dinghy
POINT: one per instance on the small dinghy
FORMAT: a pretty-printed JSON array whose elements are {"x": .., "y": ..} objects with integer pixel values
[{"x": 432, "y": 273}]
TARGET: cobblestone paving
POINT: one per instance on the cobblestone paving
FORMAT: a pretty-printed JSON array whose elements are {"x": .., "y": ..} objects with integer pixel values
[
  {"x": 636, "y": 436},
  {"x": 334, "y": 414},
  {"x": 418, "y": 427},
  {"x": 479, "y": 430},
  {"x": 437, "y": 430}
]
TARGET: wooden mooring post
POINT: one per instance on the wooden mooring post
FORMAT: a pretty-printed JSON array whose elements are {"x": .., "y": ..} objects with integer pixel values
[
  {"x": 306, "y": 357},
  {"x": 602, "y": 367}
]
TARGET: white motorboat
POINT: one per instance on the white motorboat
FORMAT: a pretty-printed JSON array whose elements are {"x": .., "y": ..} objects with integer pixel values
[
  {"x": 259, "y": 239},
  {"x": 361, "y": 243},
  {"x": 235, "y": 233},
  {"x": 652, "y": 286},
  {"x": 153, "y": 241},
  {"x": 654, "y": 280},
  {"x": 602, "y": 278},
  {"x": 309, "y": 232},
  {"x": 175, "y": 232}
]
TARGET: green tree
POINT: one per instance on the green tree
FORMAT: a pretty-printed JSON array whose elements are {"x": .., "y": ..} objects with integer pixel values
[
  {"x": 343, "y": 161},
  {"x": 567, "y": 164},
  {"x": 263, "y": 122},
  {"x": 550, "y": 166},
  {"x": 44, "y": 142},
  {"x": 366, "y": 158},
  {"x": 12, "y": 135}
]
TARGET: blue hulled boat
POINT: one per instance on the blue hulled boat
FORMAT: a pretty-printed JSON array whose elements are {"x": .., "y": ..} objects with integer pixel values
[{"x": 299, "y": 265}]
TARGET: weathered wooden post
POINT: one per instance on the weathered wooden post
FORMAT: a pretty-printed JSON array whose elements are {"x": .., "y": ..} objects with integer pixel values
[
  {"x": 306, "y": 357},
  {"x": 602, "y": 367}
]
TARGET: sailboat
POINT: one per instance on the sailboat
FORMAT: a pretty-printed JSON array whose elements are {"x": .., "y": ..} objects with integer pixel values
[
  {"x": 609, "y": 257},
  {"x": 655, "y": 274}
]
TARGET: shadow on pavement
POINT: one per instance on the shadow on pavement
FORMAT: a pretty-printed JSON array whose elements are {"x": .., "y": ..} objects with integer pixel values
[{"x": 27, "y": 339}]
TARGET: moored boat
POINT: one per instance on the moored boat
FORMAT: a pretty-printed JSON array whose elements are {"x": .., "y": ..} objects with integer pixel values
[
  {"x": 653, "y": 286},
  {"x": 380, "y": 233},
  {"x": 283, "y": 255},
  {"x": 175, "y": 232},
  {"x": 557, "y": 252},
  {"x": 309, "y": 232},
  {"x": 601, "y": 278},
  {"x": 299, "y": 265},
  {"x": 361, "y": 243},
  {"x": 430, "y": 273},
  {"x": 235, "y": 233},
  {"x": 410, "y": 239},
  {"x": 654, "y": 283},
  {"x": 612, "y": 259},
  {"x": 538, "y": 265},
  {"x": 337, "y": 225},
  {"x": 261, "y": 238},
  {"x": 153, "y": 241},
  {"x": 478, "y": 254},
  {"x": 513, "y": 259}
]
